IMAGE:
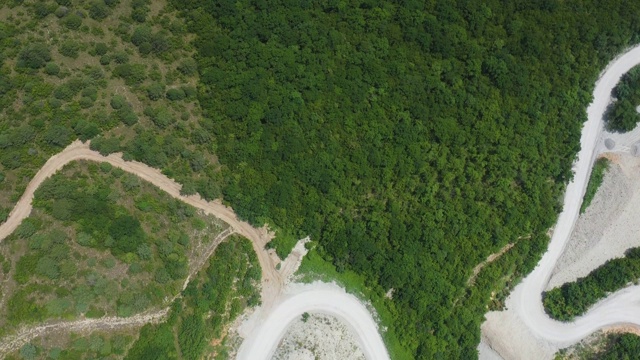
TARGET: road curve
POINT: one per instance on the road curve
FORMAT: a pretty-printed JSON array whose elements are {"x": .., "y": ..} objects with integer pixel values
[
  {"x": 328, "y": 299},
  {"x": 526, "y": 300}
]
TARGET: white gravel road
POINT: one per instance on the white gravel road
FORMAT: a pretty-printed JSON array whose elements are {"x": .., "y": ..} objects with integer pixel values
[
  {"x": 525, "y": 331},
  {"x": 266, "y": 328}
]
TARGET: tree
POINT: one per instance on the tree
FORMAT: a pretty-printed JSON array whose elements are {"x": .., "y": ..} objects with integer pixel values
[
  {"x": 28, "y": 351},
  {"x": 175, "y": 94},
  {"x": 72, "y": 21},
  {"x": 52, "y": 69},
  {"x": 98, "y": 10},
  {"x": 155, "y": 91},
  {"x": 34, "y": 56}
]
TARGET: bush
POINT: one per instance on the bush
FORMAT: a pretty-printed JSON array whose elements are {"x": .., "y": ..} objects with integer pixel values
[
  {"x": 34, "y": 56},
  {"x": 188, "y": 67},
  {"x": 62, "y": 11},
  {"x": 72, "y": 21},
  {"x": 118, "y": 101},
  {"x": 52, "y": 69},
  {"x": 175, "y": 94},
  {"x": 132, "y": 74},
  {"x": 69, "y": 48},
  {"x": 105, "y": 60},
  {"x": 155, "y": 91},
  {"x": 98, "y": 10},
  {"x": 101, "y": 49}
]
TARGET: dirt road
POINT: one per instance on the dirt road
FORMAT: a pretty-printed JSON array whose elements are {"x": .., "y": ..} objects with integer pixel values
[{"x": 271, "y": 279}]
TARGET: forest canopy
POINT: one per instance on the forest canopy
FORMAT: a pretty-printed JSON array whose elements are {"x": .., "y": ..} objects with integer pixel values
[{"x": 410, "y": 139}]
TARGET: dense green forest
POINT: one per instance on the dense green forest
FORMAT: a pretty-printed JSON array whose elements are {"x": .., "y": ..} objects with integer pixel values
[
  {"x": 595, "y": 180},
  {"x": 621, "y": 115},
  {"x": 575, "y": 298},
  {"x": 612, "y": 346},
  {"x": 410, "y": 139}
]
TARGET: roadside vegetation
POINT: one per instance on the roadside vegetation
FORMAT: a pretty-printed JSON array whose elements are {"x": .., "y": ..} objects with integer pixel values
[
  {"x": 99, "y": 242},
  {"x": 410, "y": 139},
  {"x": 575, "y": 298},
  {"x": 613, "y": 346},
  {"x": 196, "y": 326},
  {"x": 212, "y": 300},
  {"x": 597, "y": 174},
  {"x": 622, "y": 115},
  {"x": 97, "y": 345}
]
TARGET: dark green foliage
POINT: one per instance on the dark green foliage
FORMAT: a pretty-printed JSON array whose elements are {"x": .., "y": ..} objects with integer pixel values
[
  {"x": 597, "y": 174},
  {"x": 52, "y": 69},
  {"x": 98, "y": 10},
  {"x": 411, "y": 139},
  {"x": 118, "y": 102},
  {"x": 191, "y": 337},
  {"x": 42, "y": 9},
  {"x": 155, "y": 91},
  {"x": 34, "y": 56},
  {"x": 101, "y": 49},
  {"x": 58, "y": 136},
  {"x": 202, "y": 313},
  {"x": 622, "y": 116},
  {"x": 176, "y": 94},
  {"x": 575, "y": 298},
  {"x": 188, "y": 67},
  {"x": 69, "y": 48},
  {"x": 132, "y": 74},
  {"x": 139, "y": 10},
  {"x": 161, "y": 116},
  {"x": 72, "y": 21},
  {"x": 105, "y": 146},
  {"x": 127, "y": 234}
]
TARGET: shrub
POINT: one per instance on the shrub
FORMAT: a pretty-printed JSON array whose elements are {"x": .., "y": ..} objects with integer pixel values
[
  {"x": 118, "y": 101},
  {"x": 72, "y": 21},
  {"x": 101, "y": 49},
  {"x": 98, "y": 10},
  {"x": 155, "y": 91},
  {"x": 34, "y": 56},
  {"x": 175, "y": 94},
  {"x": 69, "y": 48},
  {"x": 188, "y": 67},
  {"x": 52, "y": 69}
]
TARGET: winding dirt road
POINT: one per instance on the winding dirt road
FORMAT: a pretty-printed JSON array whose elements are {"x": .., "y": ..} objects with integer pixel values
[
  {"x": 525, "y": 302},
  {"x": 271, "y": 279},
  {"x": 278, "y": 307}
]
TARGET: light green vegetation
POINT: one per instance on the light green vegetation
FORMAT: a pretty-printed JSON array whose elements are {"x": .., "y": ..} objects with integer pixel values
[
  {"x": 97, "y": 345},
  {"x": 213, "y": 299},
  {"x": 119, "y": 70},
  {"x": 196, "y": 325},
  {"x": 99, "y": 242},
  {"x": 597, "y": 174},
  {"x": 612, "y": 346}
]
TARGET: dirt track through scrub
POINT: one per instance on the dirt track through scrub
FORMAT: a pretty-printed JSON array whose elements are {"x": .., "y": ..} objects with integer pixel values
[{"x": 272, "y": 281}]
